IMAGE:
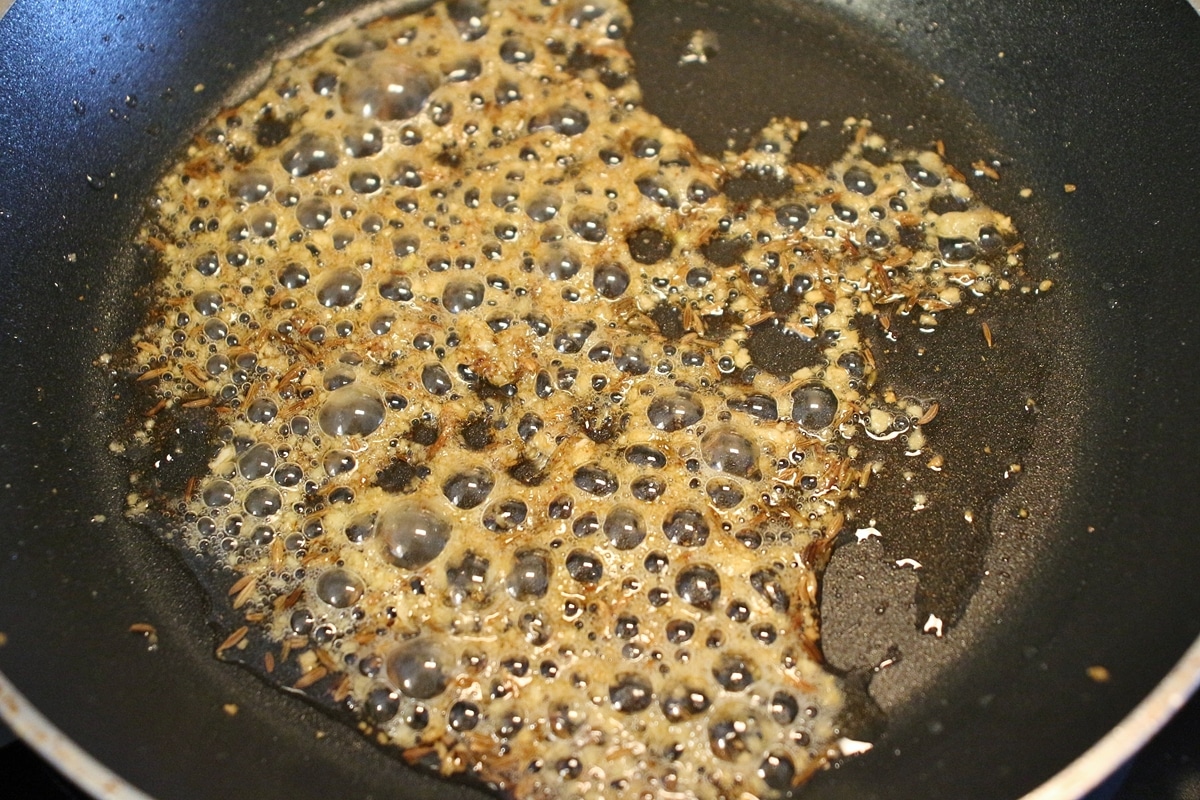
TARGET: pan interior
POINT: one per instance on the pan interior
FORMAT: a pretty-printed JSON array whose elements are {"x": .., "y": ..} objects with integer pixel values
[
  {"x": 833, "y": 71},
  {"x": 982, "y": 524},
  {"x": 997, "y": 641}
]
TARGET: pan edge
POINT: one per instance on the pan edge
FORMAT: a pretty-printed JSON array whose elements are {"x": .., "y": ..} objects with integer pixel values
[
  {"x": 60, "y": 750},
  {"x": 1129, "y": 735},
  {"x": 1074, "y": 781}
]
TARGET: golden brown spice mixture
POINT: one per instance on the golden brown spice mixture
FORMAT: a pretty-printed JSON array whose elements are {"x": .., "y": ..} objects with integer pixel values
[{"x": 533, "y": 439}]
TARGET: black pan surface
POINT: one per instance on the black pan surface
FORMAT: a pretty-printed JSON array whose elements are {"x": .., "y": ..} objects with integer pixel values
[{"x": 96, "y": 99}]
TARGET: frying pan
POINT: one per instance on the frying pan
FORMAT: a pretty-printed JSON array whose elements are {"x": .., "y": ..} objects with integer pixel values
[{"x": 1090, "y": 558}]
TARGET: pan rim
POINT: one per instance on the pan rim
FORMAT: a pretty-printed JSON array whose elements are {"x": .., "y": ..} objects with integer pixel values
[
  {"x": 62, "y": 752},
  {"x": 1129, "y": 735},
  {"x": 1072, "y": 782}
]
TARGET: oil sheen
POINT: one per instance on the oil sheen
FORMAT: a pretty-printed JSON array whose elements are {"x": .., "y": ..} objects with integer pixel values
[{"x": 533, "y": 440}]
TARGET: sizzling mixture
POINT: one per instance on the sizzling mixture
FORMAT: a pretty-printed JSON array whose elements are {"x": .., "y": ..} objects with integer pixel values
[{"x": 533, "y": 439}]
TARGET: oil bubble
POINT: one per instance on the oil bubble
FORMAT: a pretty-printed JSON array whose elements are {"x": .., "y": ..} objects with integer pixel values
[
  {"x": 596, "y": 480},
  {"x": 416, "y": 669},
  {"x": 351, "y": 411},
  {"x": 339, "y": 288},
  {"x": 814, "y": 407},
  {"x": 624, "y": 528},
  {"x": 462, "y": 295},
  {"x": 256, "y": 462},
  {"x": 682, "y": 702},
  {"x": 251, "y": 185},
  {"x": 263, "y": 501},
  {"x": 730, "y": 452},
  {"x": 686, "y": 527},
  {"x": 631, "y": 693},
  {"x": 530, "y": 575},
  {"x": 610, "y": 280},
  {"x": 699, "y": 586},
  {"x": 339, "y": 588},
  {"x": 217, "y": 494},
  {"x": 469, "y": 488},
  {"x": 310, "y": 155},
  {"x": 412, "y": 536},
  {"x": 385, "y": 85},
  {"x": 674, "y": 412},
  {"x": 733, "y": 673},
  {"x": 584, "y": 567}
]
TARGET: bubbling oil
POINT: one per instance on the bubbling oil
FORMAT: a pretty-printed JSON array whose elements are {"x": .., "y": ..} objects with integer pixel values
[{"x": 534, "y": 440}]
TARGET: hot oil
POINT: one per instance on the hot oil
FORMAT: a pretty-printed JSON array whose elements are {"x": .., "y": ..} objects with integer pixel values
[
  {"x": 769, "y": 57},
  {"x": 497, "y": 473}
]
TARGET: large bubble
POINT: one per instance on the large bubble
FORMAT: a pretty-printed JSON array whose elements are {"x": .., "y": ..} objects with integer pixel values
[
  {"x": 412, "y": 536},
  {"x": 385, "y": 85}
]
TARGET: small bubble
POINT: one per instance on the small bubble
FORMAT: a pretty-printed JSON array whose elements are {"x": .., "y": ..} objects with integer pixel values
[
  {"x": 610, "y": 279},
  {"x": 467, "y": 580},
  {"x": 766, "y": 582},
  {"x": 263, "y": 501},
  {"x": 314, "y": 213},
  {"x": 631, "y": 693},
  {"x": 730, "y": 452},
  {"x": 920, "y": 175},
  {"x": 724, "y": 493},
  {"x": 565, "y": 119},
  {"x": 311, "y": 154},
  {"x": 256, "y": 462},
  {"x": 641, "y": 455},
  {"x": 674, "y": 412},
  {"x": 381, "y": 704},
  {"x": 596, "y": 480},
  {"x": 412, "y": 536},
  {"x": 727, "y": 738},
  {"x": 436, "y": 380},
  {"x": 340, "y": 588},
  {"x": 859, "y": 180},
  {"x": 251, "y": 185},
  {"x": 814, "y": 407},
  {"x": 699, "y": 586},
  {"x": 624, "y": 528},
  {"x": 733, "y": 673},
  {"x": 207, "y": 302},
  {"x": 469, "y": 488},
  {"x": 217, "y": 494},
  {"x": 463, "y": 716},
  {"x": 505, "y": 515},
  {"x": 777, "y": 771},
  {"x": 416, "y": 669},
  {"x": 682, "y": 703},
  {"x": 783, "y": 708},
  {"x": 586, "y": 524},
  {"x": 339, "y": 288},
  {"x": 584, "y": 567},
  {"x": 792, "y": 216},
  {"x": 647, "y": 488},
  {"x": 686, "y": 527},
  {"x": 590, "y": 226},
  {"x": 530, "y": 575},
  {"x": 680, "y": 631},
  {"x": 462, "y": 295}
]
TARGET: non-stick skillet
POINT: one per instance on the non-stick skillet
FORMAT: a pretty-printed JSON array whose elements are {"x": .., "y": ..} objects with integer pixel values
[{"x": 1089, "y": 559}]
